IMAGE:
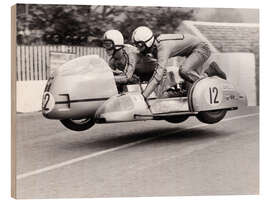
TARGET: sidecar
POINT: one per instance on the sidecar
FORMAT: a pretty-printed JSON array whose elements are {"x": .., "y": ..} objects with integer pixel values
[{"x": 83, "y": 92}]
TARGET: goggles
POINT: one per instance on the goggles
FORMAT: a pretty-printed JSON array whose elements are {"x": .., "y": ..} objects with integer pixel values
[
  {"x": 108, "y": 44},
  {"x": 141, "y": 44}
]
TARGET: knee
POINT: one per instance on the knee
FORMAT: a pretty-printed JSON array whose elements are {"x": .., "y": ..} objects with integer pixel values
[
  {"x": 204, "y": 49},
  {"x": 190, "y": 76}
]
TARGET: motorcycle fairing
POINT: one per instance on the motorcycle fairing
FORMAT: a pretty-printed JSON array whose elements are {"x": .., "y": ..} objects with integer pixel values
[{"x": 78, "y": 88}]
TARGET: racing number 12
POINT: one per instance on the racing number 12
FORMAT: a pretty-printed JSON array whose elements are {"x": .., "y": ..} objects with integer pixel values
[{"x": 213, "y": 92}]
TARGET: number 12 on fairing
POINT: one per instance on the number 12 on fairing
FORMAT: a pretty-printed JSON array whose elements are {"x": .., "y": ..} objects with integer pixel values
[{"x": 213, "y": 94}]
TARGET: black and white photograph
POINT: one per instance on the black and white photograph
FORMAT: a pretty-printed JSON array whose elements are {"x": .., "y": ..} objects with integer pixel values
[{"x": 134, "y": 101}]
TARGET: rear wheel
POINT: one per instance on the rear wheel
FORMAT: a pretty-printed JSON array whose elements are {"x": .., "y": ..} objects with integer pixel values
[
  {"x": 176, "y": 119},
  {"x": 78, "y": 124},
  {"x": 211, "y": 117}
]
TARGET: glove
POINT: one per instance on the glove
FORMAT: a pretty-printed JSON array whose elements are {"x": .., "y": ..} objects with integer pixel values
[{"x": 134, "y": 79}]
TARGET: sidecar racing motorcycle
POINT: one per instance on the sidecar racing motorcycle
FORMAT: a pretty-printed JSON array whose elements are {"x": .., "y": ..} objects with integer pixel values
[{"x": 83, "y": 92}]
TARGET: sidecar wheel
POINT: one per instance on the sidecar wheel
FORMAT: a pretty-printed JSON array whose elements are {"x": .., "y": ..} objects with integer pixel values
[
  {"x": 211, "y": 117},
  {"x": 78, "y": 125},
  {"x": 176, "y": 119}
]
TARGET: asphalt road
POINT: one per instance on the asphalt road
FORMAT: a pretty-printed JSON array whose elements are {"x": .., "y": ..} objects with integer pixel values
[{"x": 151, "y": 158}]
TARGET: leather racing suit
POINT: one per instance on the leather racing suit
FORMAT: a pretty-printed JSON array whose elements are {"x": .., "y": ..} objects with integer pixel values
[
  {"x": 127, "y": 63},
  {"x": 170, "y": 45}
]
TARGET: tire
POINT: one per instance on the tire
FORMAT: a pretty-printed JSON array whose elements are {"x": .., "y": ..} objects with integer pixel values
[
  {"x": 78, "y": 125},
  {"x": 211, "y": 117},
  {"x": 176, "y": 119}
]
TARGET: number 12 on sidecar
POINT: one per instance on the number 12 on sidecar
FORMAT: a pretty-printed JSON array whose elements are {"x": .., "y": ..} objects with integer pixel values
[{"x": 83, "y": 92}]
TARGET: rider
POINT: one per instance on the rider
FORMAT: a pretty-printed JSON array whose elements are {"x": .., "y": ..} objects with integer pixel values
[{"x": 165, "y": 46}]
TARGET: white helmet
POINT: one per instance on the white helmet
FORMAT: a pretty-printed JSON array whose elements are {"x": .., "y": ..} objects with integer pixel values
[
  {"x": 143, "y": 36},
  {"x": 113, "y": 39}
]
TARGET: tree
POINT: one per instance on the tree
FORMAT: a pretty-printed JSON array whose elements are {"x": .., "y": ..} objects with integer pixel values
[
  {"x": 159, "y": 19},
  {"x": 72, "y": 24}
]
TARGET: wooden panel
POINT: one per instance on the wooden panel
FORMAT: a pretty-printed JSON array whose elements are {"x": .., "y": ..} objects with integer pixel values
[
  {"x": 23, "y": 60},
  {"x": 47, "y": 55},
  {"x": 43, "y": 59},
  {"x": 28, "y": 64},
  {"x": 39, "y": 63},
  {"x": 30, "y": 69},
  {"x": 35, "y": 63},
  {"x": 18, "y": 64}
]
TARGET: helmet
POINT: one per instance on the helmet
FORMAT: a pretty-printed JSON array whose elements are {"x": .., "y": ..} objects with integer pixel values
[
  {"x": 143, "y": 36},
  {"x": 113, "y": 39}
]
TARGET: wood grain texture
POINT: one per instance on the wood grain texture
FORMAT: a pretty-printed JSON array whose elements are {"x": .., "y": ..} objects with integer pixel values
[{"x": 13, "y": 101}]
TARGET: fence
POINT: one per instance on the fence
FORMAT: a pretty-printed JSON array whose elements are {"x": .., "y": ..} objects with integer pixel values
[{"x": 33, "y": 62}]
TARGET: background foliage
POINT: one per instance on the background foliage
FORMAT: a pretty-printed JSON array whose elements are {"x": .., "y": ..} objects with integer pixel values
[{"x": 80, "y": 24}]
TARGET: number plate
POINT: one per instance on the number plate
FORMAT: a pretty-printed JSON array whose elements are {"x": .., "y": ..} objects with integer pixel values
[{"x": 214, "y": 95}]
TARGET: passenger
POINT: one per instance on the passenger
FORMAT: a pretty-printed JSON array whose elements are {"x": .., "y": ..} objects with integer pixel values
[
  {"x": 122, "y": 57},
  {"x": 164, "y": 46}
]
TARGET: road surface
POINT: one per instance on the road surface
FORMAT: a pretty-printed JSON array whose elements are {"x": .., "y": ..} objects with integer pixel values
[{"x": 148, "y": 158}]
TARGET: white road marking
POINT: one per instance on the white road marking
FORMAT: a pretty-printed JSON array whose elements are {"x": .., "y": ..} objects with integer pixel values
[{"x": 89, "y": 156}]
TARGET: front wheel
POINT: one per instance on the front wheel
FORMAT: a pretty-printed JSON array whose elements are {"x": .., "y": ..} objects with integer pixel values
[
  {"x": 78, "y": 124},
  {"x": 211, "y": 117}
]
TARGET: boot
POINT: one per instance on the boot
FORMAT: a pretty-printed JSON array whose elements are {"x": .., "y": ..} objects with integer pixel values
[{"x": 214, "y": 70}]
